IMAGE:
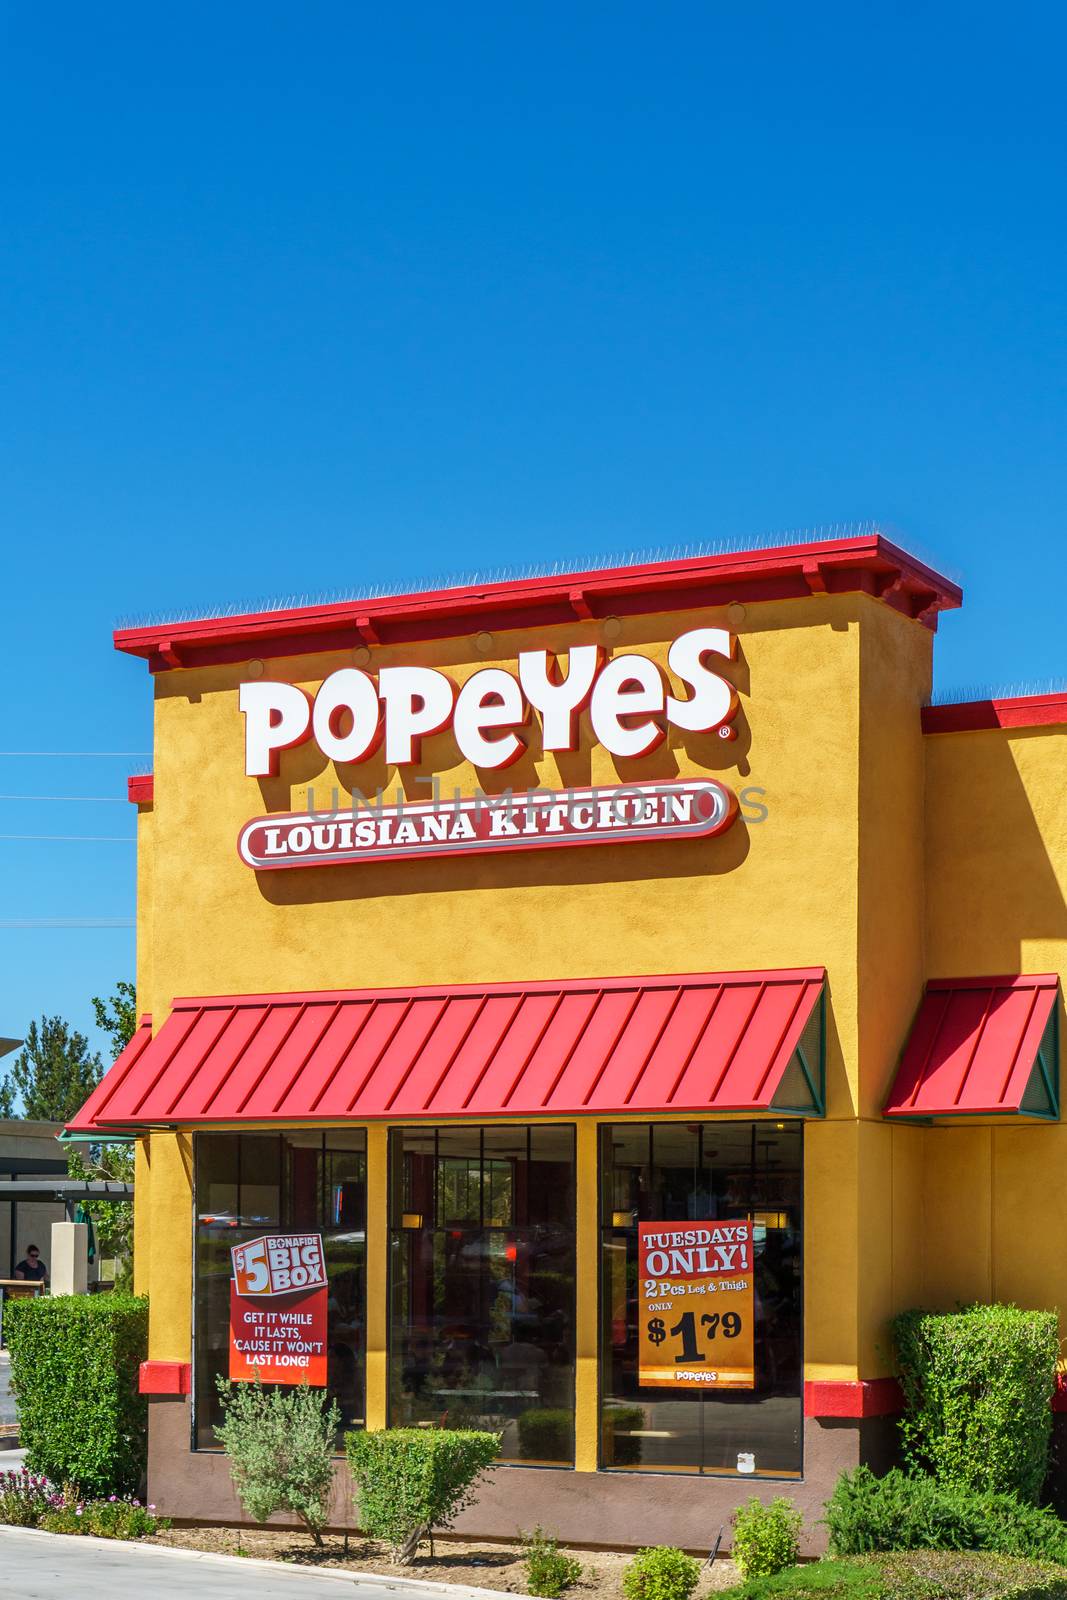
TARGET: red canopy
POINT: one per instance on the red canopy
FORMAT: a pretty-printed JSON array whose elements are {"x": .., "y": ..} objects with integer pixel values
[
  {"x": 978, "y": 1046},
  {"x": 712, "y": 1041}
]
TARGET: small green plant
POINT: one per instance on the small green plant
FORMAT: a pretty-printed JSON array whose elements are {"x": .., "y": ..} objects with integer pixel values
[
  {"x": 660, "y": 1573},
  {"x": 413, "y": 1480},
  {"x": 74, "y": 1369},
  {"x": 766, "y": 1537},
  {"x": 913, "y": 1512},
  {"x": 977, "y": 1386},
  {"x": 548, "y": 1571},
  {"x": 280, "y": 1444},
  {"x": 118, "y": 1517},
  {"x": 25, "y": 1497}
]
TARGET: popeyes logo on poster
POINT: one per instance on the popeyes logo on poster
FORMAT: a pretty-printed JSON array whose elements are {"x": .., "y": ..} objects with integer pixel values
[
  {"x": 696, "y": 1305},
  {"x": 278, "y": 1310},
  {"x": 631, "y": 703}
]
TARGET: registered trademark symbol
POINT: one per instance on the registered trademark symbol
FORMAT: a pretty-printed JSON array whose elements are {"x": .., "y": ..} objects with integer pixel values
[{"x": 727, "y": 731}]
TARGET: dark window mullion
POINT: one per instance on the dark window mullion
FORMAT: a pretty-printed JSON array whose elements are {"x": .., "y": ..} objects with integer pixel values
[{"x": 436, "y": 1188}]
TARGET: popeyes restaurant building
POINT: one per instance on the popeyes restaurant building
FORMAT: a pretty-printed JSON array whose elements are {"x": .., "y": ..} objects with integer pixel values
[{"x": 589, "y": 1007}]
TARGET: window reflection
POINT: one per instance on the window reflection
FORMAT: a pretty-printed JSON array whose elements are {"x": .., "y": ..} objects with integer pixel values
[
  {"x": 298, "y": 1181},
  {"x": 714, "y": 1171},
  {"x": 482, "y": 1264}
]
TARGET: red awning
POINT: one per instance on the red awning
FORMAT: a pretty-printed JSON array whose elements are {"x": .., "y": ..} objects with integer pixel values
[
  {"x": 981, "y": 1046},
  {"x": 715, "y": 1041}
]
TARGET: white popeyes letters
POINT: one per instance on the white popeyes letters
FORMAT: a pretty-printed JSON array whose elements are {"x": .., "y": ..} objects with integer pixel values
[
  {"x": 630, "y": 703},
  {"x": 560, "y": 699}
]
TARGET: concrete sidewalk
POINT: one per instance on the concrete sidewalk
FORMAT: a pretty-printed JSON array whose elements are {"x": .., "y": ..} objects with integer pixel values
[{"x": 49, "y": 1566}]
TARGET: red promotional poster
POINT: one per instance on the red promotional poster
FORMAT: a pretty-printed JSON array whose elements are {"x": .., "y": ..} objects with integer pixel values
[{"x": 278, "y": 1310}]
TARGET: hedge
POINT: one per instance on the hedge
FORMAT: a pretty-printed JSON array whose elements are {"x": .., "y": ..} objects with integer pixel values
[
  {"x": 977, "y": 1385},
  {"x": 74, "y": 1370},
  {"x": 917, "y": 1575},
  {"x": 905, "y": 1512},
  {"x": 410, "y": 1481}
]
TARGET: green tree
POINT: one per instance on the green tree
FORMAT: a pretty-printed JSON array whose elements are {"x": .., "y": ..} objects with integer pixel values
[
  {"x": 53, "y": 1074},
  {"x": 112, "y": 1219},
  {"x": 117, "y": 1016}
]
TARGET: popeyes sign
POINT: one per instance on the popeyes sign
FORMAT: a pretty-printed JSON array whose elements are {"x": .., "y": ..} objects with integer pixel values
[{"x": 631, "y": 703}]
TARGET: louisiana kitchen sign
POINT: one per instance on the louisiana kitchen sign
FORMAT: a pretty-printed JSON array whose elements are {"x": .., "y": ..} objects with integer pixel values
[
  {"x": 493, "y": 717},
  {"x": 481, "y": 823}
]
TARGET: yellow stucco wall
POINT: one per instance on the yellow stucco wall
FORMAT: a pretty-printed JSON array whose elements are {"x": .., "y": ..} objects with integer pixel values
[
  {"x": 541, "y": 914},
  {"x": 861, "y": 865},
  {"x": 995, "y": 1201}
]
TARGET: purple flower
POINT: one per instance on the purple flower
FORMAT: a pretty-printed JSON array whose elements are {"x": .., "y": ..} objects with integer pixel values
[{"x": 112, "y": 1497}]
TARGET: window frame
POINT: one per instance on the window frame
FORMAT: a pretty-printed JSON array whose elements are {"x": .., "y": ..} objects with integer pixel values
[
  {"x": 602, "y": 1228},
  {"x": 399, "y": 1128},
  {"x": 324, "y": 1133}
]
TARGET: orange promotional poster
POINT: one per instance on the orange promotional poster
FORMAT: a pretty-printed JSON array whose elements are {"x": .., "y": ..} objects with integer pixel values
[
  {"x": 696, "y": 1305},
  {"x": 278, "y": 1310}
]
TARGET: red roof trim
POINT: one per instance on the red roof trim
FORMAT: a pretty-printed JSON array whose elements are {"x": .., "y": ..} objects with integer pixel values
[
  {"x": 870, "y": 564},
  {"x": 141, "y": 791},
  {"x": 970, "y": 716},
  {"x": 571, "y": 1048}
]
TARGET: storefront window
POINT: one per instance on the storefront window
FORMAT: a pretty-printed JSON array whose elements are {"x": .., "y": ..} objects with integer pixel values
[
  {"x": 697, "y": 1173},
  {"x": 300, "y": 1181},
  {"x": 482, "y": 1285}
]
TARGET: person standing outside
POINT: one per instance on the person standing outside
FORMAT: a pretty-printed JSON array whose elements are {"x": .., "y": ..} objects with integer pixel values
[{"x": 31, "y": 1269}]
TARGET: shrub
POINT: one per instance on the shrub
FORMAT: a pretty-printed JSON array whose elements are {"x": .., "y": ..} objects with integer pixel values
[
  {"x": 660, "y": 1573},
  {"x": 25, "y": 1497},
  {"x": 913, "y": 1575},
  {"x": 966, "y": 1575},
  {"x": 548, "y": 1571},
  {"x": 412, "y": 1480},
  {"x": 977, "y": 1386},
  {"x": 546, "y": 1435},
  {"x": 280, "y": 1443},
  {"x": 113, "y": 1518},
  {"x": 766, "y": 1538},
  {"x": 819, "y": 1580},
  {"x": 74, "y": 1368},
  {"x": 899, "y": 1512}
]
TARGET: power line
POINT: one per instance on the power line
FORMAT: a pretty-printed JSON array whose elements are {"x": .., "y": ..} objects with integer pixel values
[
  {"x": 111, "y": 799},
  {"x": 66, "y": 922},
  {"x": 125, "y": 755},
  {"x": 71, "y": 838}
]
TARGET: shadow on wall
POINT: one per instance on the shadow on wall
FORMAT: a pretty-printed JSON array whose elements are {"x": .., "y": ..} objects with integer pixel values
[
  {"x": 993, "y": 888},
  {"x": 565, "y": 868}
]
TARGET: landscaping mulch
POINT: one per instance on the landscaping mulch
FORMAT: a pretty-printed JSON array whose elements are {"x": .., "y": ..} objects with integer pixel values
[{"x": 480, "y": 1563}]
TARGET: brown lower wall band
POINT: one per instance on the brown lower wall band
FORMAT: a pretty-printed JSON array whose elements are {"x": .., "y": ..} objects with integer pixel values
[{"x": 589, "y": 1508}]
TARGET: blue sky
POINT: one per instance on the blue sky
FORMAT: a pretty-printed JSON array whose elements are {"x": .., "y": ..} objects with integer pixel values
[{"x": 304, "y": 297}]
